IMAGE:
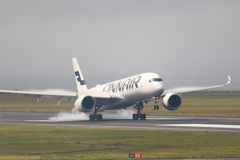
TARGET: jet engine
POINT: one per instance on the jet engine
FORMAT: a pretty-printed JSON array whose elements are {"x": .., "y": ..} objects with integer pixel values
[
  {"x": 171, "y": 102},
  {"x": 85, "y": 103}
]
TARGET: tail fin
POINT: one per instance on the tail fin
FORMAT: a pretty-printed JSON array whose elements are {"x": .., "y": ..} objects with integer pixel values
[{"x": 81, "y": 84}]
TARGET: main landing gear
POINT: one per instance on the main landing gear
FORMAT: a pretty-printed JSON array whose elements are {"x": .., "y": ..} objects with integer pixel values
[
  {"x": 156, "y": 106},
  {"x": 95, "y": 116},
  {"x": 139, "y": 106}
]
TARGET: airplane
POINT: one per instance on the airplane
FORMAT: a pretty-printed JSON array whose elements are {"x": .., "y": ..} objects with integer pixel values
[{"x": 121, "y": 94}]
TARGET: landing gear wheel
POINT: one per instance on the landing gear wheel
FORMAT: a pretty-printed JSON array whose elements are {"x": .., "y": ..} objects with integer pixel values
[
  {"x": 156, "y": 106},
  {"x": 92, "y": 117},
  {"x": 135, "y": 116},
  {"x": 142, "y": 116},
  {"x": 95, "y": 116},
  {"x": 139, "y": 116},
  {"x": 139, "y": 106},
  {"x": 99, "y": 117}
]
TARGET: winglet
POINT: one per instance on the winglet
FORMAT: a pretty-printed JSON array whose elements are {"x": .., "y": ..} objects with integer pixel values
[
  {"x": 229, "y": 81},
  {"x": 81, "y": 84}
]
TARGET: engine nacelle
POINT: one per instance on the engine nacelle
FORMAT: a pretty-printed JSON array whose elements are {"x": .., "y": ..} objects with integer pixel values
[
  {"x": 85, "y": 103},
  {"x": 171, "y": 102}
]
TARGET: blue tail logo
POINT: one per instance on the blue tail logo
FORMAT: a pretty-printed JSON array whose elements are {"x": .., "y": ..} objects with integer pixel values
[{"x": 82, "y": 82}]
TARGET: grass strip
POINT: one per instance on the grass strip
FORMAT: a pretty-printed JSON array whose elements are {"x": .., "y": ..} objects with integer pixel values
[
  {"x": 28, "y": 142},
  {"x": 194, "y": 104}
]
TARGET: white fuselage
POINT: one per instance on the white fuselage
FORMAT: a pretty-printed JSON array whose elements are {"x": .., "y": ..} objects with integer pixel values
[{"x": 131, "y": 90}]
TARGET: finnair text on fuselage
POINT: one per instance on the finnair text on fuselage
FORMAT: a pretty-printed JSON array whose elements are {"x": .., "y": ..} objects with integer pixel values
[{"x": 127, "y": 84}]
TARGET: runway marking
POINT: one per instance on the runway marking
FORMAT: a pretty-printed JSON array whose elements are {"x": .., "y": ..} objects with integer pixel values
[
  {"x": 70, "y": 120},
  {"x": 67, "y": 120},
  {"x": 39, "y": 121},
  {"x": 44, "y": 117},
  {"x": 153, "y": 127},
  {"x": 103, "y": 126},
  {"x": 162, "y": 118},
  {"x": 134, "y": 127},
  {"x": 202, "y": 125}
]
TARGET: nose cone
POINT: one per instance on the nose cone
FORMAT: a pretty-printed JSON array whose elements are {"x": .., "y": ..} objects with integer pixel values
[{"x": 158, "y": 89}]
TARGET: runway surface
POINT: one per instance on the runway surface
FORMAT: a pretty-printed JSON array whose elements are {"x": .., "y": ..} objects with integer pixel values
[{"x": 160, "y": 123}]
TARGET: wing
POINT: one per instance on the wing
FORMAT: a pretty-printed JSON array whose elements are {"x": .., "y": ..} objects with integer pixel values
[
  {"x": 63, "y": 96},
  {"x": 60, "y": 96},
  {"x": 194, "y": 89}
]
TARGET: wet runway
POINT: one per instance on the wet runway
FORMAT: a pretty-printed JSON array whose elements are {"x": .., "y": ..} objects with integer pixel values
[{"x": 159, "y": 123}]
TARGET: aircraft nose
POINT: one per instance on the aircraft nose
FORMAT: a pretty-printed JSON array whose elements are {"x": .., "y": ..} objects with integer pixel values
[{"x": 159, "y": 89}]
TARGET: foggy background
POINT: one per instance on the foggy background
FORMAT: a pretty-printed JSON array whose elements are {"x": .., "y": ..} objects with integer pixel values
[{"x": 188, "y": 43}]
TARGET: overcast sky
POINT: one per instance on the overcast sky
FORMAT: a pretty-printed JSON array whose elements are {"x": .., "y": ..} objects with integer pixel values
[{"x": 114, "y": 39}]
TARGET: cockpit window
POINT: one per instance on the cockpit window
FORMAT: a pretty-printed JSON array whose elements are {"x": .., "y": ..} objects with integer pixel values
[{"x": 157, "y": 79}]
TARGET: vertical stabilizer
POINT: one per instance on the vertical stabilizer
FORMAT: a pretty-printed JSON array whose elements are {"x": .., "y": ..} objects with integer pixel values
[{"x": 81, "y": 84}]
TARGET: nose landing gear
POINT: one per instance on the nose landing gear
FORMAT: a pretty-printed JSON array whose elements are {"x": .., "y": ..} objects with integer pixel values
[{"x": 156, "y": 106}]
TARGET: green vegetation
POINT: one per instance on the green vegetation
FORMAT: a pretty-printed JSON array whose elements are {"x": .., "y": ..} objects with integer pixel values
[
  {"x": 204, "y": 104},
  {"x": 28, "y": 142},
  {"x": 194, "y": 104},
  {"x": 77, "y": 143},
  {"x": 20, "y": 103}
]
